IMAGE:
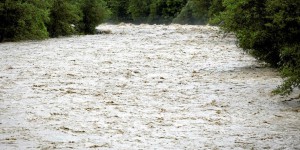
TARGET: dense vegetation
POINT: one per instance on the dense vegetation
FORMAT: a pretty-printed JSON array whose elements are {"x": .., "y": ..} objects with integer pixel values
[
  {"x": 268, "y": 29},
  {"x": 23, "y": 20},
  {"x": 39, "y": 19}
]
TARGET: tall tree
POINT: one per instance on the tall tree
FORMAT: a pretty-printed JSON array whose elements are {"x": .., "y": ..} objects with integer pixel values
[
  {"x": 94, "y": 13},
  {"x": 269, "y": 30},
  {"x": 214, "y": 12},
  {"x": 119, "y": 10},
  {"x": 200, "y": 10},
  {"x": 63, "y": 18},
  {"x": 248, "y": 18},
  {"x": 21, "y": 20},
  {"x": 139, "y": 10},
  {"x": 284, "y": 22},
  {"x": 194, "y": 12},
  {"x": 164, "y": 11}
]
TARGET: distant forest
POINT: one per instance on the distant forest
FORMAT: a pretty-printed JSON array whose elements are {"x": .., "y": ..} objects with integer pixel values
[{"x": 267, "y": 29}]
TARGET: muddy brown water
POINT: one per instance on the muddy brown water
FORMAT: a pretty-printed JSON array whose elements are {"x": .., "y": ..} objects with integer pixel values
[{"x": 142, "y": 87}]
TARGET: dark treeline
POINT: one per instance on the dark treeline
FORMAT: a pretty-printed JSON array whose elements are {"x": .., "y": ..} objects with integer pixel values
[
  {"x": 164, "y": 11},
  {"x": 268, "y": 29},
  {"x": 39, "y": 19}
]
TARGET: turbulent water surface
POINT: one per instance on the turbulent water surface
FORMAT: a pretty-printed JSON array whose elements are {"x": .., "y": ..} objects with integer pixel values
[{"x": 142, "y": 87}]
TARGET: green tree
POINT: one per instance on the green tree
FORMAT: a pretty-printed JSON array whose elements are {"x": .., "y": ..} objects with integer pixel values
[
  {"x": 94, "y": 12},
  {"x": 119, "y": 10},
  {"x": 214, "y": 12},
  {"x": 194, "y": 12},
  {"x": 164, "y": 11},
  {"x": 23, "y": 20},
  {"x": 284, "y": 22},
  {"x": 63, "y": 16},
  {"x": 269, "y": 29},
  {"x": 248, "y": 18},
  {"x": 139, "y": 10}
]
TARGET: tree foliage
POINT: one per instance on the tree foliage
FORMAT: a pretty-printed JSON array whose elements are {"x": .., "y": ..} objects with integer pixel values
[
  {"x": 194, "y": 12},
  {"x": 215, "y": 9},
  {"x": 139, "y": 10},
  {"x": 284, "y": 23},
  {"x": 269, "y": 29},
  {"x": 164, "y": 11},
  {"x": 37, "y": 19},
  {"x": 145, "y": 11},
  {"x": 63, "y": 18},
  {"x": 22, "y": 20},
  {"x": 119, "y": 10},
  {"x": 94, "y": 12}
]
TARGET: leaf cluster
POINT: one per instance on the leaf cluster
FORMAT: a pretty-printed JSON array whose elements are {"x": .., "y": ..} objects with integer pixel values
[
  {"x": 145, "y": 11},
  {"x": 23, "y": 20},
  {"x": 39, "y": 19},
  {"x": 269, "y": 29}
]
